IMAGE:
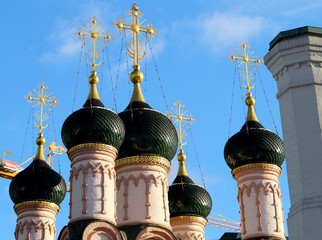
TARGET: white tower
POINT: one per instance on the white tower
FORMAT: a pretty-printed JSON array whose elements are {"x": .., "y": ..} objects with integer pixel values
[{"x": 295, "y": 61}]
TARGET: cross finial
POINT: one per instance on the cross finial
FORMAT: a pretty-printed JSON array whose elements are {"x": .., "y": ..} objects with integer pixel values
[
  {"x": 243, "y": 58},
  {"x": 181, "y": 118},
  {"x": 96, "y": 36},
  {"x": 43, "y": 100},
  {"x": 136, "y": 27}
]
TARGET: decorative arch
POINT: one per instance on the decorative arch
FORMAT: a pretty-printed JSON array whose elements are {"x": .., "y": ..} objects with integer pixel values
[
  {"x": 106, "y": 230},
  {"x": 64, "y": 234},
  {"x": 156, "y": 233}
]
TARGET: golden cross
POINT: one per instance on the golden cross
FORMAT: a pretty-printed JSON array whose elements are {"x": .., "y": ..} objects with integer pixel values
[
  {"x": 244, "y": 59},
  {"x": 98, "y": 36},
  {"x": 44, "y": 100},
  {"x": 181, "y": 117},
  {"x": 135, "y": 26}
]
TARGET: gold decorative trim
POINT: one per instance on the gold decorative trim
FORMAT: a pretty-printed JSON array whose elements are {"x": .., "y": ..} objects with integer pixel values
[
  {"x": 190, "y": 218},
  {"x": 143, "y": 159},
  {"x": 93, "y": 145},
  {"x": 257, "y": 165},
  {"x": 38, "y": 204}
]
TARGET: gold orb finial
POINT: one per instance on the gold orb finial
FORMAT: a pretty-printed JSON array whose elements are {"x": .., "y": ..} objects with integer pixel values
[
  {"x": 250, "y": 101},
  {"x": 136, "y": 76},
  {"x": 181, "y": 156},
  {"x": 40, "y": 140},
  {"x": 93, "y": 78}
]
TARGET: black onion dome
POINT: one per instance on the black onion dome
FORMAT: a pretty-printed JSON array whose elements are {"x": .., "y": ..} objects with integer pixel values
[
  {"x": 148, "y": 132},
  {"x": 254, "y": 144},
  {"x": 38, "y": 182},
  {"x": 93, "y": 123},
  {"x": 188, "y": 199}
]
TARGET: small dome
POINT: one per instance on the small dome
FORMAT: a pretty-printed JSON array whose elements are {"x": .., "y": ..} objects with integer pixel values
[
  {"x": 38, "y": 182},
  {"x": 254, "y": 144},
  {"x": 188, "y": 199},
  {"x": 148, "y": 132},
  {"x": 93, "y": 123}
]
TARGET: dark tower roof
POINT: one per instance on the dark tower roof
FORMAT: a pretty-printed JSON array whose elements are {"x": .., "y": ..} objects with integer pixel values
[
  {"x": 93, "y": 123},
  {"x": 187, "y": 198},
  {"x": 38, "y": 182},
  {"x": 254, "y": 144},
  {"x": 148, "y": 132}
]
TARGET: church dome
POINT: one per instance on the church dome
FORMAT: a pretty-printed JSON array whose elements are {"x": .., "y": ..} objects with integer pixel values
[
  {"x": 148, "y": 132},
  {"x": 93, "y": 123},
  {"x": 254, "y": 144},
  {"x": 38, "y": 182},
  {"x": 188, "y": 199}
]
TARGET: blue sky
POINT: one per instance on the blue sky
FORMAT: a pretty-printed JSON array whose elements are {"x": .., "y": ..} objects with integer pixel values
[{"x": 191, "y": 55}]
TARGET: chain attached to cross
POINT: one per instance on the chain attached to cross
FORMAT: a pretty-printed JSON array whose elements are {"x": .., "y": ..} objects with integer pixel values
[
  {"x": 136, "y": 27},
  {"x": 98, "y": 36},
  {"x": 44, "y": 100},
  {"x": 181, "y": 118},
  {"x": 243, "y": 57}
]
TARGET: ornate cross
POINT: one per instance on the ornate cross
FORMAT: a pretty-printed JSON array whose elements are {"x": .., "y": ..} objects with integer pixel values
[
  {"x": 135, "y": 26},
  {"x": 243, "y": 57},
  {"x": 45, "y": 100},
  {"x": 181, "y": 117},
  {"x": 98, "y": 36}
]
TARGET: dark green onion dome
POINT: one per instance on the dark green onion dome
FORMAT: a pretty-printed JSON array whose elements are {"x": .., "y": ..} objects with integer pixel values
[
  {"x": 93, "y": 123},
  {"x": 188, "y": 199},
  {"x": 254, "y": 144},
  {"x": 38, "y": 182},
  {"x": 148, "y": 132}
]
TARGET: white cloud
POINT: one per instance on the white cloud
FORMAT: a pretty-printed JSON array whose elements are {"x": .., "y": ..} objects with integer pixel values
[{"x": 223, "y": 30}]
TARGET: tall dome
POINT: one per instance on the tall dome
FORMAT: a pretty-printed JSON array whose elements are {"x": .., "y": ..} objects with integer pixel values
[
  {"x": 253, "y": 143},
  {"x": 148, "y": 132},
  {"x": 38, "y": 182},
  {"x": 93, "y": 123},
  {"x": 185, "y": 197}
]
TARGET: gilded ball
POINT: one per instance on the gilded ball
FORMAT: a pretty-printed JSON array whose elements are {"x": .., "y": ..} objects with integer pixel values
[
  {"x": 120, "y": 25},
  {"x": 136, "y": 76},
  {"x": 40, "y": 140},
  {"x": 181, "y": 157},
  {"x": 150, "y": 30},
  {"x": 250, "y": 101},
  {"x": 93, "y": 79}
]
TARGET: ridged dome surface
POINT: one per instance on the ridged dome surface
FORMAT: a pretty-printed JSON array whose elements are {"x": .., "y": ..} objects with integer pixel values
[
  {"x": 38, "y": 182},
  {"x": 93, "y": 123},
  {"x": 254, "y": 144},
  {"x": 188, "y": 199},
  {"x": 148, "y": 132}
]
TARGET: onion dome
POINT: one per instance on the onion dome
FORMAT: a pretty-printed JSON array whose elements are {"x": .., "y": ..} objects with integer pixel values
[
  {"x": 38, "y": 182},
  {"x": 185, "y": 197},
  {"x": 253, "y": 143},
  {"x": 93, "y": 123},
  {"x": 148, "y": 132}
]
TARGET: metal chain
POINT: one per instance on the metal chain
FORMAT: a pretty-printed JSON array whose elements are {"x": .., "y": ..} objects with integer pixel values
[
  {"x": 165, "y": 100},
  {"x": 33, "y": 132},
  {"x": 146, "y": 63},
  {"x": 102, "y": 72},
  {"x": 118, "y": 70},
  {"x": 194, "y": 146},
  {"x": 270, "y": 111},
  {"x": 111, "y": 78},
  {"x": 55, "y": 141},
  {"x": 26, "y": 133},
  {"x": 128, "y": 71},
  {"x": 232, "y": 101},
  {"x": 79, "y": 63}
]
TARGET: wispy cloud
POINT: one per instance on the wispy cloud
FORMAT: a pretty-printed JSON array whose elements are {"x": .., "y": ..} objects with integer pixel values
[{"x": 223, "y": 30}]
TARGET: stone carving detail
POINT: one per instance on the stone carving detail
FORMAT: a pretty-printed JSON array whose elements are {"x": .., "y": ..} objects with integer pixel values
[
  {"x": 101, "y": 230},
  {"x": 105, "y": 170},
  {"x": 267, "y": 188},
  {"x": 38, "y": 226},
  {"x": 191, "y": 236},
  {"x": 147, "y": 179}
]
